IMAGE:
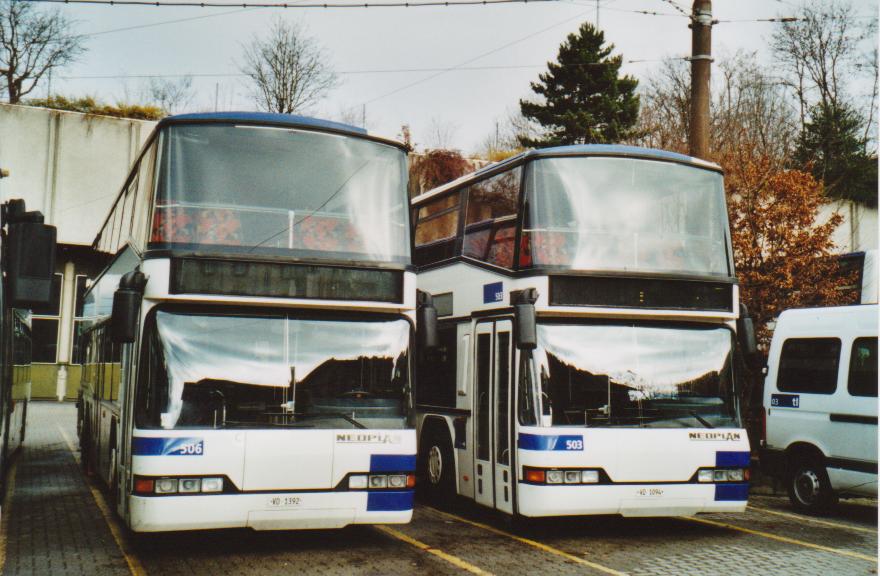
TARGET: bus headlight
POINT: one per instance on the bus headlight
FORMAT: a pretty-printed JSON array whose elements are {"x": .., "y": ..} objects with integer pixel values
[
  {"x": 212, "y": 484},
  {"x": 378, "y": 481},
  {"x": 166, "y": 485},
  {"x": 735, "y": 475},
  {"x": 590, "y": 476},
  {"x": 719, "y": 475},
  {"x": 554, "y": 477},
  {"x": 357, "y": 482},
  {"x": 190, "y": 485},
  {"x": 572, "y": 476},
  {"x": 397, "y": 481}
]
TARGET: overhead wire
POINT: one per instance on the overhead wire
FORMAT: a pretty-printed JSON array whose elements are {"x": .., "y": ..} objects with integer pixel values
[{"x": 286, "y": 5}]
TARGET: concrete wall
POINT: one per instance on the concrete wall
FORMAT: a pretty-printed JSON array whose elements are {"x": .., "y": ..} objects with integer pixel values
[
  {"x": 68, "y": 165},
  {"x": 858, "y": 231}
]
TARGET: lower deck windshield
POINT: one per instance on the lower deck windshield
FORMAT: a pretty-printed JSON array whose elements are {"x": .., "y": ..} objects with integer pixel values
[
  {"x": 629, "y": 375},
  {"x": 268, "y": 371}
]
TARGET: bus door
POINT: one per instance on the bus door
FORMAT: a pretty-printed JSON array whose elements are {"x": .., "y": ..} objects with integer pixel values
[{"x": 492, "y": 379}]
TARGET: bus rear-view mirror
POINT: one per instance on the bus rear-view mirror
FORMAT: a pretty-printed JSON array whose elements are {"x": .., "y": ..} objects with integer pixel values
[
  {"x": 426, "y": 321},
  {"x": 127, "y": 307},
  {"x": 526, "y": 319},
  {"x": 31, "y": 256},
  {"x": 745, "y": 328}
]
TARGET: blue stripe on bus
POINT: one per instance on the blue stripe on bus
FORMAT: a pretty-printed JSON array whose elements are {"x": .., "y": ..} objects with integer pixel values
[
  {"x": 392, "y": 463},
  {"x": 150, "y": 446},
  {"x": 552, "y": 443},
  {"x": 396, "y": 501},
  {"x": 731, "y": 492},
  {"x": 732, "y": 459}
]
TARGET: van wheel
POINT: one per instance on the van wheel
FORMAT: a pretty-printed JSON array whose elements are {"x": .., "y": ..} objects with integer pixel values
[
  {"x": 809, "y": 488},
  {"x": 437, "y": 465}
]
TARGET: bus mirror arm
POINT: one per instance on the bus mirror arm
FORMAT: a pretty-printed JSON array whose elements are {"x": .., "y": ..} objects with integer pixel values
[
  {"x": 526, "y": 321},
  {"x": 745, "y": 328},
  {"x": 127, "y": 307},
  {"x": 426, "y": 320}
]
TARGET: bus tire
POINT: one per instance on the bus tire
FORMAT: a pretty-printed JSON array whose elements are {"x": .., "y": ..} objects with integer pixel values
[
  {"x": 437, "y": 463},
  {"x": 809, "y": 488}
]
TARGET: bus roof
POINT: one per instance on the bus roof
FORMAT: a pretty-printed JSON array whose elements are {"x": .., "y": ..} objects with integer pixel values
[
  {"x": 575, "y": 150},
  {"x": 272, "y": 119}
]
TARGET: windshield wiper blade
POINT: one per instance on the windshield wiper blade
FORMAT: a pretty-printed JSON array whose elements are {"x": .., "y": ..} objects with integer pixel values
[
  {"x": 700, "y": 419},
  {"x": 342, "y": 415}
]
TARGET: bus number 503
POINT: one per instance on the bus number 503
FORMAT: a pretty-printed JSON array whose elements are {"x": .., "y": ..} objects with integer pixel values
[{"x": 574, "y": 444}]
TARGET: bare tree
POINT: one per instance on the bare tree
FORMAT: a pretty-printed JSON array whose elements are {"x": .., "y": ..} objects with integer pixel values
[
  {"x": 33, "y": 42},
  {"x": 749, "y": 110},
  {"x": 819, "y": 55},
  {"x": 441, "y": 134},
  {"x": 171, "y": 95},
  {"x": 288, "y": 69}
]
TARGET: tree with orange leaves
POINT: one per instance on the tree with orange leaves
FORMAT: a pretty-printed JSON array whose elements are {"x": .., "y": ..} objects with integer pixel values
[{"x": 782, "y": 252}]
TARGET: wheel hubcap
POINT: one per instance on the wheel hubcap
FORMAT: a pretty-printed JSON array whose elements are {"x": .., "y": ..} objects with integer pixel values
[
  {"x": 435, "y": 465},
  {"x": 807, "y": 486}
]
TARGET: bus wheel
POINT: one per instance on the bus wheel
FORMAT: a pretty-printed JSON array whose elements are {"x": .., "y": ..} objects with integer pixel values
[
  {"x": 809, "y": 488},
  {"x": 438, "y": 468}
]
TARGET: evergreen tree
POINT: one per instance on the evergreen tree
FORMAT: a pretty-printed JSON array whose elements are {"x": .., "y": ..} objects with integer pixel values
[
  {"x": 585, "y": 101},
  {"x": 832, "y": 148}
]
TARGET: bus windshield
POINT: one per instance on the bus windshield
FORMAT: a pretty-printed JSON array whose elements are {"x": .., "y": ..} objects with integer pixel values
[
  {"x": 613, "y": 375},
  {"x": 624, "y": 214},
  {"x": 213, "y": 371},
  {"x": 266, "y": 190}
]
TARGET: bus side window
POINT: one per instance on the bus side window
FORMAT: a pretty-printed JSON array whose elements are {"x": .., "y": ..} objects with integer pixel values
[
  {"x": 437, "y": 229},
  {"x": 490, "y": 226},
  {"x": 465, "y": 375}
]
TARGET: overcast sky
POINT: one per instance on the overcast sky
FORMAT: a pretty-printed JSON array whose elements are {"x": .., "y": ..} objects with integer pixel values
[{"x": 362, "y": 44}]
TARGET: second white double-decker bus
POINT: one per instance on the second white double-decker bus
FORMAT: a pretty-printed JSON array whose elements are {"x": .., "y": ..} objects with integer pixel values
[
  {"x": 249, "y": 362},
  {"x": 587, "y": 354}
]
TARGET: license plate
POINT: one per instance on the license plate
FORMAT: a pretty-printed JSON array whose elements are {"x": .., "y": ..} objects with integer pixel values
[{"x": 283, "y": 501}]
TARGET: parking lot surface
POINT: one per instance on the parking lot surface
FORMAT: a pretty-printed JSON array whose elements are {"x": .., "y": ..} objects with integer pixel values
[{"x": 55, "y": 521}]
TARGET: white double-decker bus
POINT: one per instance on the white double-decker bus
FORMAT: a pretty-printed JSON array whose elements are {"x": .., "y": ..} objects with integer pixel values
[
  {"x": 248, "y": 364},
  {"x": 587, "y": 355}
]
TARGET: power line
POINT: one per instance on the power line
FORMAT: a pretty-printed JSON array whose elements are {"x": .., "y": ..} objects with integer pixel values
[
  {"x": 677, "y": 8},
  {"x": 356, "y": 72},
  {"x": 475, "y": 58},
  {"x": 163, "y": 23},
  {"x": 245, "y": 5}
]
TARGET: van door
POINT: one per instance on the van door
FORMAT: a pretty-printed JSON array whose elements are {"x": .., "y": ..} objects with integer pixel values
[{"x": 853, "y": 416}]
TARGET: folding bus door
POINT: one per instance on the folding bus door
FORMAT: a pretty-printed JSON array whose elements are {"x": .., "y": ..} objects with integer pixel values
[{"x": 492, "y": 376}]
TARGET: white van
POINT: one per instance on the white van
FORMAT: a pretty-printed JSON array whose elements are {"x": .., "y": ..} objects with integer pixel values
[{"x": 820, "y": 405}]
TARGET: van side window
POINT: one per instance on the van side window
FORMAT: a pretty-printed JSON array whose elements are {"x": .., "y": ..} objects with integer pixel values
[
  {"x": 809, "y": 365},
  {"x": 863, "y": 368}
]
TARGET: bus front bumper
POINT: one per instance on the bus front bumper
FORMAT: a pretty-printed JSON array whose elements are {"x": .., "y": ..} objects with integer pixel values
[
  {"x": 269, "y": 511},
  {"x": 630, "y": 499}
]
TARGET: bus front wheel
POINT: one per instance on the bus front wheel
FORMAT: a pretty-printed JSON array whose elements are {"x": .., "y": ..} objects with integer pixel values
[{"x": 438, "y": 468}]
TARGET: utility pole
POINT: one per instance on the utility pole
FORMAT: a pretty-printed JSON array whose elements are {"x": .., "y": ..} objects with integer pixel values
[{"x": 701, "y": 64}]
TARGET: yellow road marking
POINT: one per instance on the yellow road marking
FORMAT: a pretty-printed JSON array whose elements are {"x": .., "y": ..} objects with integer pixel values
[
  {"x": 814, "y": 520},
  {"x": 533, "y": 543},
  {"x": 454, "y": 560},
  {"x": 785, "y": 539},
  {"x": 116, "y": 529},
  {"x": 6, "y": 512}
]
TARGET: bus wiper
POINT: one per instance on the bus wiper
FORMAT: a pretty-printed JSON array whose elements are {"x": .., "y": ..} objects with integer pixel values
[
  {"x": 700, "y": 419},
  {"x": 342, "y": 415}
]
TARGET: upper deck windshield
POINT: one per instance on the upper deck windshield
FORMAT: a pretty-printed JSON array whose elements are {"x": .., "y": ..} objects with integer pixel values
[
  {"x": 213, "y": 371},
  {"x": 625, "y": 214},
  {"x": 629, "y": 375},
  {"x": 267, "y": 190}
]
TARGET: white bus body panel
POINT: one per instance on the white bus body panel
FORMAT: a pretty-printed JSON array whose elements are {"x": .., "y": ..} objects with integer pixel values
[
  {"x": 288, "y": 479},
  {"x": 650, "y": 470},
  {"x": 810, "y": 421}
]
